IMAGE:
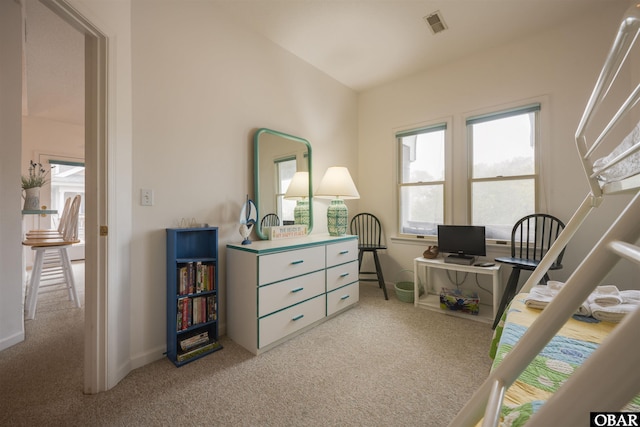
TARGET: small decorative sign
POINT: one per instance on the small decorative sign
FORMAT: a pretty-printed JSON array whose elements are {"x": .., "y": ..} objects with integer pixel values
[{"x": 287, "y": 231}]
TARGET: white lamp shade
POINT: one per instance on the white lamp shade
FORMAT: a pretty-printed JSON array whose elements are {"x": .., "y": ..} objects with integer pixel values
[
  {"x": 298, "y": 187},
  {"x": 337, "y": 184}
]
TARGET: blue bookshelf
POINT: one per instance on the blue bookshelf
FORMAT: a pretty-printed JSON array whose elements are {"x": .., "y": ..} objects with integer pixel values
[{"x": 192, "y": 293}]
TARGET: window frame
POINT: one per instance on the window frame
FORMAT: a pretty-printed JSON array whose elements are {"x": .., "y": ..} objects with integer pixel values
[
  {"x": 435, "y": 125},
  {"x": 535, "y": 107},
  {"x": 280, "y": 192}
]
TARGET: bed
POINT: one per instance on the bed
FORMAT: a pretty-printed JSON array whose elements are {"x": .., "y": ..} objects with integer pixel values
[
  {"x": 606, "y": 377},
  {"x": 568, "y": 349}
]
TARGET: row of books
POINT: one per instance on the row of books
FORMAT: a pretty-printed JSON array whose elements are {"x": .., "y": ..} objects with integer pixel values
[
  {"x": 198, "y": 350},
  {"x": 196, "y": 277},
  {"x": 194, "y": 341},
  {"x": 196, "y": 310}
]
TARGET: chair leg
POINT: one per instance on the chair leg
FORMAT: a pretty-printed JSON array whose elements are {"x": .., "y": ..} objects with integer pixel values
[
  {"x": 34, "y": 285},
  {"x": 68, "y": 274},
  {"x": 545, "y": 279},
  {"x": 360, "y": 255},
  {"x": 507, "y": 296},
  {"x": 379, "y": 274}
]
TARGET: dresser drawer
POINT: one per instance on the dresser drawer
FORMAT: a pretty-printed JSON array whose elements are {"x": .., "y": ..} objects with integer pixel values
[
  {"x": 289, "y": 292},
  {"x": 339, "y": 253},
  {"x": 283, "y": 265},
  {"x": 342, "y": 298},
  {"x": 341, "y": 275},
  {"x": 288, "y": 321}
]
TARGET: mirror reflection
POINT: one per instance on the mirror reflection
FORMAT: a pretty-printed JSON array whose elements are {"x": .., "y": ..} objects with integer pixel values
[{"x": 278, "y": 159}]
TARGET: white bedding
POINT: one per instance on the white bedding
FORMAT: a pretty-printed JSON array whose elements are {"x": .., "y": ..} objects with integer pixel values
[{"x": 625, "y": 168}]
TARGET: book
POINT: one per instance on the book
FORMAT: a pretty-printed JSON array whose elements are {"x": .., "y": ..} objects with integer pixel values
[
  {"x": 181, "y": 357},
  {"x": 194, "y": 341},
  {"x": 212, "y": 277}
]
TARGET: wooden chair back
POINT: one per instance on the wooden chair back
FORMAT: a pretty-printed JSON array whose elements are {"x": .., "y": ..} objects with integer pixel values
[
  {"x": 368, "y": 229},
  {"x": 533, "y": 235}
]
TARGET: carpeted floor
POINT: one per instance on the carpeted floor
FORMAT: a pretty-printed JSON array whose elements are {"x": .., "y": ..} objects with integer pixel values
[{"x": 382, "y": 363}]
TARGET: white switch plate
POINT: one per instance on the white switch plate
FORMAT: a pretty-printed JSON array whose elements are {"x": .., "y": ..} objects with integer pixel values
[{"x": 146, "y": 197}]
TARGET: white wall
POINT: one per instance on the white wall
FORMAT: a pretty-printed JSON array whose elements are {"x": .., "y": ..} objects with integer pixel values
[
  {"x": 12, "y": 298},
  {"x": 202, "y": 86},
  {"x": 559, "y": 66}
]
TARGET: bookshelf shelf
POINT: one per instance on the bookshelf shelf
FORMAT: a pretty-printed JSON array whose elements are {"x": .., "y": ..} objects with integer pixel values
[{"x": 192, "y": 293}]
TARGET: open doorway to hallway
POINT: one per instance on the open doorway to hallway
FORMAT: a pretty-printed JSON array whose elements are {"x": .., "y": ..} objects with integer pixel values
[{"x": 90, "y": 128}]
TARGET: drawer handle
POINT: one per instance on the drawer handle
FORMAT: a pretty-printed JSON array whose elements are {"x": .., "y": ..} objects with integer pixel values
[
  {"x": 298, "y": 317},
  {"x": 344, "y": 252},
  {"x": 297, "y": 262},
  {"x": 344, "y": 274},
  {"x": 297, "y": 289},
  {"x": 345, "y": 297}
]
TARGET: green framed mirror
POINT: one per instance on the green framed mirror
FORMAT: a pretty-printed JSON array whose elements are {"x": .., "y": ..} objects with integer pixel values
[{"x": 278, "y": 157}]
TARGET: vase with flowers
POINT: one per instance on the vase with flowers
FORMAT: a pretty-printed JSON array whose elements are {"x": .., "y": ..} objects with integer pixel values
[{"x": 31, "y": 184}]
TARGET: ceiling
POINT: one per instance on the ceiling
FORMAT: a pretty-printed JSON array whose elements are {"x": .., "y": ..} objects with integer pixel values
[
  {"x": 53, "y": 85},
  {"x": 360, "y": 43},
  {"x": 365, "y": 43}
]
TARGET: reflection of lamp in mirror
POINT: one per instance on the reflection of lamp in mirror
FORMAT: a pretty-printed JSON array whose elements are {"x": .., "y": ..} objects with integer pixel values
[
  {"x": 337, "y": 185},
  {"x": 299, "y": 190}
]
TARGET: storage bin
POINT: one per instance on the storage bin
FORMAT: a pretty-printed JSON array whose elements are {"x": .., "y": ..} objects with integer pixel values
[
  {"x": 457, "y": 300},
  {"x": 405, "y": 289}
]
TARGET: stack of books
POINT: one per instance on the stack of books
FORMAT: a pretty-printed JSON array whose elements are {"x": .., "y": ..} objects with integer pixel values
[{"x": 195, "y": 346}]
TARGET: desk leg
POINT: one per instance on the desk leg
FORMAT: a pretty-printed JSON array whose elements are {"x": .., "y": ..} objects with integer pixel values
[{"x": 416, "y": 290}]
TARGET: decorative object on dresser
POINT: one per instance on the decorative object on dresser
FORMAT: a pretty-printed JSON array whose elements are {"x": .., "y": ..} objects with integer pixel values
[
  {"x": 192, "y": 293},
  {"x": 337, "y": 185},
  {"x": 369, "y": 231},
  {"x": 277, "y": 289},
  {"x": 248, "y": 218},
  {"x": 299, "y": 190}
]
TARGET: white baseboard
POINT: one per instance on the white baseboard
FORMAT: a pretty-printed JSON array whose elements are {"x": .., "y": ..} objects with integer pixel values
[{"x": 11, "y": 340}]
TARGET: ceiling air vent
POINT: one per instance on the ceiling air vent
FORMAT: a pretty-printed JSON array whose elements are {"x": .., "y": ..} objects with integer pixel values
[{"x": 435, "y": 22}]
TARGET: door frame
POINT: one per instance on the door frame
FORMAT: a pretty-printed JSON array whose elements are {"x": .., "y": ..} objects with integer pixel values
[{"x": 96, "y": 201}]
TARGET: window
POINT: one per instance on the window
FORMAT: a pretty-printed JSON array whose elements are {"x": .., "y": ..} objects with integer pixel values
[
  {"x": 285, "y": 169},
  {"x": 421, "y": 179},
  {"x": 503, "y": 168}
]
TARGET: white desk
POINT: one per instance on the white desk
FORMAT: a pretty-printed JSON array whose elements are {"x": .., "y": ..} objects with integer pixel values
[{"x": 432, "y": 301}]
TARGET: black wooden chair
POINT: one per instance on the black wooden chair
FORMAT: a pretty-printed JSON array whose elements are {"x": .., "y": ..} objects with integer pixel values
[
  {"x": 369, "y": 231},
  {"x": 531, "y": 238},
  {"x": 270, "y": 220}
]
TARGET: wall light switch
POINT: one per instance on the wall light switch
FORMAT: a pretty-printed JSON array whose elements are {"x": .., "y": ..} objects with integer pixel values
[{"x": 146, "y": 197}]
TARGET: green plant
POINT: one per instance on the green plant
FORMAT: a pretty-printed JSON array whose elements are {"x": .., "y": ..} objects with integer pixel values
[{"x": 37, "y": 176}]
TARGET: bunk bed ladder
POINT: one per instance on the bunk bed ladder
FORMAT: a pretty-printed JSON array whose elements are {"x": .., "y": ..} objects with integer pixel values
[
  {"x": 610, "y": 377},
  {"x": 583, "y": 391}
]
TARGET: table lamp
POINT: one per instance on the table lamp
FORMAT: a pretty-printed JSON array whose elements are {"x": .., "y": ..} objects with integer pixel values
[
  {"x": 337, "y": 185},
  {"x": 299, "y": 190}
]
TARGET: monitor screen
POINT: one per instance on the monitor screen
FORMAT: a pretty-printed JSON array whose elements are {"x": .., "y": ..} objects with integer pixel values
[{"x": 462, "y": 240}]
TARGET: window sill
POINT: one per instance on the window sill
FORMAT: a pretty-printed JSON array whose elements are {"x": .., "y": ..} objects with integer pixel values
[
  {"x": 499, "y": 249},
  {"x": 429, "y": 240}
]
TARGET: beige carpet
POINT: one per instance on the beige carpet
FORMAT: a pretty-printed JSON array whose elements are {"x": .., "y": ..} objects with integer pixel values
[{"x": 382, "y": 363}]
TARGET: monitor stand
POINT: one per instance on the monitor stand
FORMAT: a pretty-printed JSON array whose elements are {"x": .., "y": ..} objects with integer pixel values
[{"x": 460, "y": 259}]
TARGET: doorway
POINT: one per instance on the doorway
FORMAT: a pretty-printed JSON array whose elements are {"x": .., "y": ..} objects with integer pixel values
[{"x": 95, "y": 159}]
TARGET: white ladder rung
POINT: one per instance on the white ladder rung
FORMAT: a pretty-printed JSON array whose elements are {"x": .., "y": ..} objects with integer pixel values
[{"x": 626, "y": 250}]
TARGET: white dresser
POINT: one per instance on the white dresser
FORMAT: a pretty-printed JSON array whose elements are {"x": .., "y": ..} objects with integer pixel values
[{"x": 277, "y": 289}]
